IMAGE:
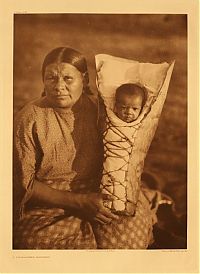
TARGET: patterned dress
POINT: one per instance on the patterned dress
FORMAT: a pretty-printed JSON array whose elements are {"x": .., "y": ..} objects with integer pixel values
[{"x": 63, "y": 150}]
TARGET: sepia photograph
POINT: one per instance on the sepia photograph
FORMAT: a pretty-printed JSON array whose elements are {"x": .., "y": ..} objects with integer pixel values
[
  {"x": 88, "y": 96},
  {"x": 101, "y": 141}
]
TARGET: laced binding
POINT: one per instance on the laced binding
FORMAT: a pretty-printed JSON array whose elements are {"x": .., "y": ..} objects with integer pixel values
[{"x": 118, "y": 144}]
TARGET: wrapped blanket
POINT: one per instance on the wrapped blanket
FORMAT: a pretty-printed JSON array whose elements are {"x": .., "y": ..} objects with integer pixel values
[{"x": 126, "y": 144}]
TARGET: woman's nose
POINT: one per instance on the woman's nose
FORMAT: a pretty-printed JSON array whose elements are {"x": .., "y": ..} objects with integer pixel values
[{"x": 60, "y": 85}]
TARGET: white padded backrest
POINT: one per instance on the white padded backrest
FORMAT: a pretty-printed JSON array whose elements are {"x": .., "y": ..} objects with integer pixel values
[{"x": 114, "y": 71}]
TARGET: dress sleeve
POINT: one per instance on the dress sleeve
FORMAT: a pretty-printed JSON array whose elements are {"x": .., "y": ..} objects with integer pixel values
[{"x": 24, "y": 160}]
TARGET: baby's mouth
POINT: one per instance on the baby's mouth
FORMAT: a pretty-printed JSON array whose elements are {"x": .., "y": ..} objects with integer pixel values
[{"x": 129, "y": 117}]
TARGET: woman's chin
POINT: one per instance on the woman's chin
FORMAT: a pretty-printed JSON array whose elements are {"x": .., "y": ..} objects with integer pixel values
[{"x": 61, "y": 103}]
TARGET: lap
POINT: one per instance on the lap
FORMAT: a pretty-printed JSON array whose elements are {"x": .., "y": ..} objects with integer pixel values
[{"x": 51, "y": 229}]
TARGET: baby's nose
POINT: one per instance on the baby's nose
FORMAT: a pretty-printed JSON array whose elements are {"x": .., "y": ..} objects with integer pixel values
[{"x": 129, "y": 110}]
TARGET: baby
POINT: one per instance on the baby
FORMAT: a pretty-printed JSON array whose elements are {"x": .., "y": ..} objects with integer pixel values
[
  {"x": 118, "y": 141},
  {"x": 129, "y": 101}
]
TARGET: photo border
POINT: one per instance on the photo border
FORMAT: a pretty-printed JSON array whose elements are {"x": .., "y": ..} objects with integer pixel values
[{"x": 107, "y": 261}]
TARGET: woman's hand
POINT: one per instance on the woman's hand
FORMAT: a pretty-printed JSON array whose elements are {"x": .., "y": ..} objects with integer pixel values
[{"x": 91, "y": 205}]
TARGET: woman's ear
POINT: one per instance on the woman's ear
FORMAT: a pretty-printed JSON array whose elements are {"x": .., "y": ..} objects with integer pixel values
[
  {"x": 43, "y": 93},
  {"x": 86, "y": 87},
  {"x": 85, "y": 79}
]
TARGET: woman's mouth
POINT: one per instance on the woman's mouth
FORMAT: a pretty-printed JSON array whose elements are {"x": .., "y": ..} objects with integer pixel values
[{"x": 62, "y": 96}]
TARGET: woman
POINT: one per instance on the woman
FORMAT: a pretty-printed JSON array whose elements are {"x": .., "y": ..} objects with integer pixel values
[{"x": 57, "y": 161}]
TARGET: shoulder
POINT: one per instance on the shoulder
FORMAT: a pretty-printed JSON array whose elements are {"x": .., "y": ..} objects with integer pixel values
[
  {"x": 29, "y": 114},
  {"x": 33, "y": 108}
]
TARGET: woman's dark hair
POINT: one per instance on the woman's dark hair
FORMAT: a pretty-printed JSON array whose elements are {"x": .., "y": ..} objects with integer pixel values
[
  {"x": 70, "y": 56},
  {"x": 131, "y": 89}
]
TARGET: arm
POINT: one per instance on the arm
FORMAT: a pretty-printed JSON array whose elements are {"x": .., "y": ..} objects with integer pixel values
[{"x": 90, "y": 204}]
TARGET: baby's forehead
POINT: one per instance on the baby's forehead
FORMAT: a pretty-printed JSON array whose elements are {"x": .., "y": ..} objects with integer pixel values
[{"x": 130, "y": 96}]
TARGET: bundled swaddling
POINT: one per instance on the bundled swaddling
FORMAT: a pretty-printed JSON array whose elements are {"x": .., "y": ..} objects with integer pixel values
[{"x": 126, "y": 144}]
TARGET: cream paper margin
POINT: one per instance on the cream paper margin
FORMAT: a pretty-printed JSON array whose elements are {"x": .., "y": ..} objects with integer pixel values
[{"x": 153, "y": 261}]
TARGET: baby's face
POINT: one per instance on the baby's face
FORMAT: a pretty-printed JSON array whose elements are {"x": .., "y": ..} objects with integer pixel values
[{"x": 128, "y": 107}]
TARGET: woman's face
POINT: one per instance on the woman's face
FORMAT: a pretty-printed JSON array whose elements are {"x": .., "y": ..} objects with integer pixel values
[{"x": 63, "y": 84}]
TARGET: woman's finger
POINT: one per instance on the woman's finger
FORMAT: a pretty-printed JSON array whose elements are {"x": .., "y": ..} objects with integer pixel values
[
  {"x": 102, "y": 218},
  {"x": 99, "y": 221},
  {"x": 108, "y": 214}
]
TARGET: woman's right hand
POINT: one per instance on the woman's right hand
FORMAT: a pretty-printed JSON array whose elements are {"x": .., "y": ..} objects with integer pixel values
[{"x": 91, "y": 204}]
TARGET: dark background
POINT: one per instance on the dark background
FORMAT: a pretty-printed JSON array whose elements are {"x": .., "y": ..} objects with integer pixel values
[{"x": 142, "y": 37}]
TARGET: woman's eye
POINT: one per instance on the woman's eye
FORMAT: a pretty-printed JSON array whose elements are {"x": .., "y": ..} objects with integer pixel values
[
  {"x": 67, "y": 78},
  {"x": 51, "y": 78}
]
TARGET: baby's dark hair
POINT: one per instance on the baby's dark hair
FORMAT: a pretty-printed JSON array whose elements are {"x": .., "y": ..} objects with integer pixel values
[{"x": 131, "y": 89}]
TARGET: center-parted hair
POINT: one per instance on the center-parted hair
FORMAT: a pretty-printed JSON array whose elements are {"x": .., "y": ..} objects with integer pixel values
[
  {"x": 70, "y": 56},
  {"x": 131, "y": 89}
]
